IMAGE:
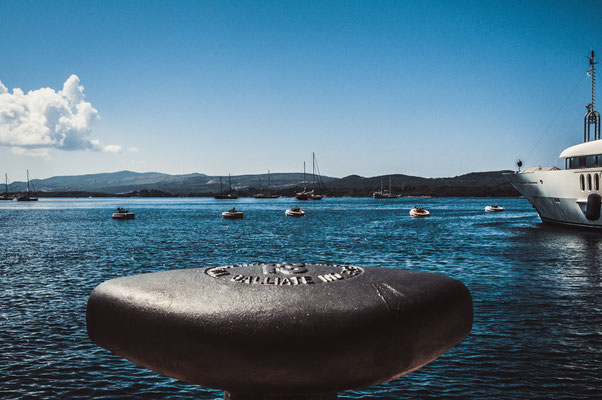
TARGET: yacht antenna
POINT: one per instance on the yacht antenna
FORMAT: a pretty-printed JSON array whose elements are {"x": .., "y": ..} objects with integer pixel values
[{"x": 592, "y": 117}]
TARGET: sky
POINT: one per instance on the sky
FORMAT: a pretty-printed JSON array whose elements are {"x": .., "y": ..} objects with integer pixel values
[{"x": 426, "y": 88}]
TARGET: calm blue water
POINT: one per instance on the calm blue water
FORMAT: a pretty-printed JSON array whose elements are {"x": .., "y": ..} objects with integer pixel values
[{"x": 537, "y": 290}]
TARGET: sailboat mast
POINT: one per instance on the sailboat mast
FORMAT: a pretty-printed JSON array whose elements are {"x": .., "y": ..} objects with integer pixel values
[
  {"x": 27, "y": 181},
  {"x": 313, "y": 171},
  {"x": 304, "y": 182},
  {"x": 6, "y": 182},
  {"x": 230, "y": 183},
  {"x": 390, "y": 185}
]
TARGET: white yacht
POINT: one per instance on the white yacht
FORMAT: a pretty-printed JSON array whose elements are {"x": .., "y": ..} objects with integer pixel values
[{"x": 569, "y": 196}]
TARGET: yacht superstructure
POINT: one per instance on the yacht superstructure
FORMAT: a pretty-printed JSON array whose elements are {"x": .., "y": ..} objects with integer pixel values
[{"x": 569, "y": 196}]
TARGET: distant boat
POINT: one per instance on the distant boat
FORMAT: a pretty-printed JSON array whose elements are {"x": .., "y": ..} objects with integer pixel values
[
  {"x": 26, "y": 196},
  {"x": 384, "y": 194},
  {"x": 229, "y": 194},
  {"x": 294, "y": 212},
  {"x": 267, "y": 195},
  {"x": 232, "y": 214},
  {"x": 419, "y": 212},
  {"x": 6, "y": 195},
  {"x": 123, "y": 214},
  {"x": 494, "y": 208},
  {"x": 315, "y": 179}
]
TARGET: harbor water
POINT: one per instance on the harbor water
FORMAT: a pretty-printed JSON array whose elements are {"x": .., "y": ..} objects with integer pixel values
[{"x": 537, "y": 290}]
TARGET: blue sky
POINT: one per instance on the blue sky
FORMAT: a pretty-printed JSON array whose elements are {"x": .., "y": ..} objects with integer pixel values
[{"x": 373, "y": 87}]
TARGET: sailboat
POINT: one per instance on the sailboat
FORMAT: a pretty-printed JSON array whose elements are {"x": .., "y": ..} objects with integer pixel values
[
  {"x": 6, "y": 195},
  {"x": 26, "y": 196},
  {"x": 384, "y": 194},
  {"x": 267, "y": 195},
  {"x": 230, "y": 194},
  {"x": 304, "y": 195},
  {"x": 315, "y": 179}
]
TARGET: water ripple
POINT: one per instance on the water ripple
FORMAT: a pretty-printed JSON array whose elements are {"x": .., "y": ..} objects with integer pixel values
[{"x": 536, "y": 290}]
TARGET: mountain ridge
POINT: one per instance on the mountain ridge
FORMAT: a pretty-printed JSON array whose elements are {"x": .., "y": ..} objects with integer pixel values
[{"x": 484, "y": 183}]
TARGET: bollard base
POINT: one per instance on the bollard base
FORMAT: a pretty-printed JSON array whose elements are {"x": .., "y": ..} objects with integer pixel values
[{"x": 280, "y": 396}]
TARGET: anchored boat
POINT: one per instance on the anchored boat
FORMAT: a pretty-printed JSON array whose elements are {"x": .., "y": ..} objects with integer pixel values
[
  {"x": 383, "y": 193},
  {"x": 268, "y": 194},
  {"x": 6, "y": 195},
  {"x": 316, "y": 179},
  {"x": 294, "y": 212},
  {"x": 232, "y": 214},
  {"x": 569, "y": 196},
  {"x": 27, "y": 196},
  {"x": 228, "y": 195},
  {"x": 123, "y": 214},
  {"x": 419, "y": 212},
  {"x": 494, "y": 208}
]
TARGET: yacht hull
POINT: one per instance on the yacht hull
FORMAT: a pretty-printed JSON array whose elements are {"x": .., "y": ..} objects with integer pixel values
[{"x": 560, "y": 196}]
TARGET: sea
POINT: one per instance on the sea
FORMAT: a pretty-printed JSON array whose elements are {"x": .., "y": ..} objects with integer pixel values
[{"x": 537, "y": 289}]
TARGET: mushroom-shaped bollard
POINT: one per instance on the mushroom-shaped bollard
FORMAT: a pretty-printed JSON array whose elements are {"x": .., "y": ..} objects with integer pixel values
[{"x": 281, "y": 331}]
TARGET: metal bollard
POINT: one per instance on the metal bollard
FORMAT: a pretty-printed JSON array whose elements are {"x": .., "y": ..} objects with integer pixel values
[{"x": 281, "y": 331}]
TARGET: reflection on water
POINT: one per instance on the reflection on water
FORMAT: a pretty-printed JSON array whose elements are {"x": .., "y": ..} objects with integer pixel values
[{"x": 536, "y": 289}]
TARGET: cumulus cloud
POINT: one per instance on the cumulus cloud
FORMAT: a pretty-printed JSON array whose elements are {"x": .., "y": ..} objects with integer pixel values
[{"x": 33, "y": 122}]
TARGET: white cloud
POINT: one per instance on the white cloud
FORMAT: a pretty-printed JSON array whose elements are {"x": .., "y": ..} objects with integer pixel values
[
  {"x": 45, "y": 119},
  {"x": 112, "y": 148},
  {"x": 133, "y": 149}
]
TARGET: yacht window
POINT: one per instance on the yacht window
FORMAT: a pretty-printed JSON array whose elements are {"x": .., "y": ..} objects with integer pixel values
[
  {"x": 590, "y": 161},
  {"x": 582, "y": 182},
  {"x": 581, "y": 162},
  {"x": 589, "y": 182},
  {"x": 596, "y": 182},
  {"x": 574, "y": 163}
]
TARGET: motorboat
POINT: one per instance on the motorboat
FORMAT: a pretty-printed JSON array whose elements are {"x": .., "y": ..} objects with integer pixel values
[
  {"x": 123, "y": 214},
  {"x": 494, "y": 208},
  {"x": 419, "y": 212},
  {"x": 294, "y": 212},
  {"x": 232, "y": 214},
  {"x": 569, "y": 196}
]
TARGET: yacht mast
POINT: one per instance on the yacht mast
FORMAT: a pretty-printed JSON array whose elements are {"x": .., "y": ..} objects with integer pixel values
[
  {"x": 313, "y": 171},
  {"x": 592, "y": 117},
  {"x": 6, "y": 182},
  {"x": 27, "y": 181}
]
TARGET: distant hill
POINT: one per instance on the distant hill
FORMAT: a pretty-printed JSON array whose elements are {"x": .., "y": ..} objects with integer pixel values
[
  {"x": 128, "y": 181},
  {"x": 477, "y": 184}
]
